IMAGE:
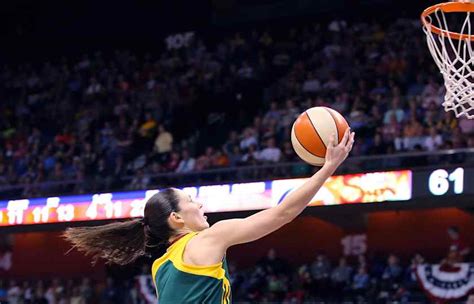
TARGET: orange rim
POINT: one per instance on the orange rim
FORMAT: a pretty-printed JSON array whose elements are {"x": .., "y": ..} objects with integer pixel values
[{"x": 448, "y": 7}]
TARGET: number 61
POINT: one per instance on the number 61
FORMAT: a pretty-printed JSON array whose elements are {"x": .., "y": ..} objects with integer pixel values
[{"x": 438, "y": 183}]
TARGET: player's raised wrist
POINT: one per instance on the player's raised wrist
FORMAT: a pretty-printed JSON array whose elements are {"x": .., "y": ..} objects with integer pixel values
[{"x": 330, "y": 167}]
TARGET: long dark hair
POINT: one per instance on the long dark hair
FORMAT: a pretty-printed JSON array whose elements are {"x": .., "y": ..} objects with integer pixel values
[{"x": 123, "y": 242}]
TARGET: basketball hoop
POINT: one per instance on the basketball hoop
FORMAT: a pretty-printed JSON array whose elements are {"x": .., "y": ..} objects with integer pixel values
[{"x": 452, "y": 50}]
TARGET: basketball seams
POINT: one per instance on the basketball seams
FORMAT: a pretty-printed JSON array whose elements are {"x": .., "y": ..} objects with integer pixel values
[
  {"x": 299, "y": 141},
  {"x": 316, "y": 131},
  {"x": 307, "y": 142},
  {"x": 303, "y": 146},
  {"x": 299, "y": 148},
  {"x": 335, "y": 122}
]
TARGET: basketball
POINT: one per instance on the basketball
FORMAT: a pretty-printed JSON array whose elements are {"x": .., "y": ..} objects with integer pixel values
[{"x": 312, "y": 130}]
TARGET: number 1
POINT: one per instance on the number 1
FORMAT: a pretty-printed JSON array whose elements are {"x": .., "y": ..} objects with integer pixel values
[{"x": 458, "y": 178}]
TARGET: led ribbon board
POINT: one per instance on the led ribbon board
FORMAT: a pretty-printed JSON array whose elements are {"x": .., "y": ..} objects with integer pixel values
[{"x": 342, "y": 189}]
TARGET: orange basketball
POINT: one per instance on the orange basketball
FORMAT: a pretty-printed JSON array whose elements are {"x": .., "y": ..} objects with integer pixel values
[{"x": 311, "y": 132}]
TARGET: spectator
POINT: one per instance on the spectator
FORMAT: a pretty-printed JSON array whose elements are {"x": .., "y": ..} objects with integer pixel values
[
  {"x": 245, "y": 71},
  {"x": 55, "y": 290},
  {"x": 220, "y": 159},
  {"x": 164, "y": 141},
  {"x": 448, "y": 123},
  {"x": 124, "y": 136},
  {"x": 204, "y": 161},
  {"x": 187, "y": 163},
  {"x": 249, "y": 139},
  {"x": 378, "y": 146},
  {"x": 431, "y": 93},
  {"x": 140, "y": 181},
  {"x": 251, "y": 157},
  {"x": 272, "y": 114},
  {"x": 470, "y": 144},
  {"x": 14, "y": 293},
  {"x": 311, "y": 85},
  {"x": 410, "y": 281},
  {"x": 412, "y": 134},
  {"x": 235, "y": 157},
  {"x": 396, "y": 111},
  {"x": 332, "y": 83},
  {"x": 39, "y": 294},
  {"x": 76, "y": 297},
  {"x": 466, "y": 125},
  {"x": 174, "y": 162},
  {"x": 3, "y": 292},
  {"x": 103, "y": 175},
  {"x": 417, "y": 87},
  {"x": 360, "y": 282},
  {"x": 433, "y": 141},
  {"x": 85, "y": 290},
  {"x": 304, "y": 280},
  {"x": 458, "y": 139},
  {"x": 357, "y": 118},
  {"x": 148, "y": 127},
  {"x": 320, "y": 272},
  {"x": 266, "y": 40},
  {"x": 341, "y": 103},
  {"x": 231, "y": 142},
  {"x": 341, "y": 275},
  {"x": 270, "y": 130},
  {"x": 458, "y": 245},
  {"x": 94, "y": 88},
  {"x": 156, "y": 168},
  {"x": 107, "y": 136},
  {"x": 277, "y": 286},
  {"x": 289, "y": 115},
  {"x": 288, "y": 153},
  {"x": 27, "y": 292},
  {"x": 393, "y": 271},
  {"x": 271, "y": 153},
  {"x": 272, "y": 264},
  {"x": 111, "y": 293},
  {"x": 414, "y": 109}
]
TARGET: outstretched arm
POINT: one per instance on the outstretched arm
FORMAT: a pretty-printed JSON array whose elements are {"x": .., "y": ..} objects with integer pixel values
[{"x": 226, "y": 233}]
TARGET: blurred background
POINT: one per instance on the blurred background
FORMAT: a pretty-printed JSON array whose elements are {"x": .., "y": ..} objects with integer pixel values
[{"x": 104, "y": 103}]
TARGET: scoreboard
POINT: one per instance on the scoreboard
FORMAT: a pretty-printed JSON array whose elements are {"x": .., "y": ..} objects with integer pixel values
[
  {"x": 362, "y": 188},
  {"x": 443, "y": 182}
]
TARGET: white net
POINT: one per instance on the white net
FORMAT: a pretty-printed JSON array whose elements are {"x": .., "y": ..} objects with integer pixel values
[{"x": 454, "y": 56}]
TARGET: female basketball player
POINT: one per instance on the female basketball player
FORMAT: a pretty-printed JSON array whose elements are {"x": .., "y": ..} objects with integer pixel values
[{"x": 194, "y": 269}]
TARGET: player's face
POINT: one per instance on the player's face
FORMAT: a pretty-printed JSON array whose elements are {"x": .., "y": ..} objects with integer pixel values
[{"x": 192, "y": 212}]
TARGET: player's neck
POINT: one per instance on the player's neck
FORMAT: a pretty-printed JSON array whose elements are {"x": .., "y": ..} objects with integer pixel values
[{"x": 179, "y": 234}]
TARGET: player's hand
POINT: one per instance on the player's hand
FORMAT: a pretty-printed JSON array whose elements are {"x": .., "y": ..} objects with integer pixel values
[{"x": 337, "y": 153}]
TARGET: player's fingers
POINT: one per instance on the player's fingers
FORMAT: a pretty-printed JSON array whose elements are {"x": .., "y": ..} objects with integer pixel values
[
  {"x": 350, "y": 142},
  {"x": 332, "y": 140},
  {"x": 345, "y": 138}
]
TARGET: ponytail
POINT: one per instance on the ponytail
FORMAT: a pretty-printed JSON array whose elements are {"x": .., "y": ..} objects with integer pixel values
[{"x": 123, "y": 242}]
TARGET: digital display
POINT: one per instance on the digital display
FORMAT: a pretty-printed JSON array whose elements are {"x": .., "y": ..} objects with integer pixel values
[
  {"x": 354, "y": 188},
  {"x": 441, "y": 182},
  {"x": 343, "y": 189}
]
